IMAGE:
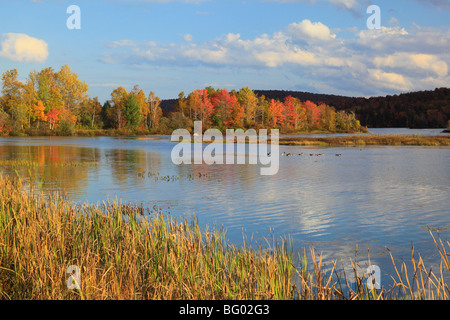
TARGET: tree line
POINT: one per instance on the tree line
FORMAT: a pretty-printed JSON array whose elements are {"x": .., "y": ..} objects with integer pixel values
[{"x": 52, "y": 102}]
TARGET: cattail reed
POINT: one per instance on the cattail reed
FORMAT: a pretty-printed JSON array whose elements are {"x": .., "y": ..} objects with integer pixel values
[{"x": 124, "y": 251}]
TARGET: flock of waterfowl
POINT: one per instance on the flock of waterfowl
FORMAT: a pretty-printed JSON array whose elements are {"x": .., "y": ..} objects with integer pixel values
[
  {"x": 311, "y": 154},
  {"x": 169, "y": 178}
]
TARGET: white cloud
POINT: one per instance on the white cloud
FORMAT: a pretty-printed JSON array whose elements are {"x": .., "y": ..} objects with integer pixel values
[
  {"x": 121, "y": 43},
  {"x": 310, "y": 30},
  {"x": 372, "y": 62},
  {"x": 413, "y": 62},
  {"x": 188, "y": 37},
  {"x": 370, "y": 35},
  {"x": 390, "y": 80},
  {"x": 23, "y": 48}
]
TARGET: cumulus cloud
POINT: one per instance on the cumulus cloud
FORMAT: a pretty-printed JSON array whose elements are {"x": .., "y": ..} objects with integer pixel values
[
  {"x": 381, "y": 61},
  {"x": 23, "y": 48},
  {"x": 390, "y": 80},
  {"x": 413, "y": 62},
  {"x": 276, "y": 50},
  {"x": 310, "y": 30}
]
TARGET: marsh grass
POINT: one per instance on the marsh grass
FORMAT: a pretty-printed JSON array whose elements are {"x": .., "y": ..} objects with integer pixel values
[
  {"x": 128, "y": 252},
  {"x": 336, "y": 283},
  {"x": 125, "y": 253},
  {"x": 18, "y": 163},
  {"x": 30, "y": 164},
  {"x": 360, "y": 140}
]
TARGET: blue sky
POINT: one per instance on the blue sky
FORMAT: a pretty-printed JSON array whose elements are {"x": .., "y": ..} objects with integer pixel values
[{"x": 168, "y": 46}]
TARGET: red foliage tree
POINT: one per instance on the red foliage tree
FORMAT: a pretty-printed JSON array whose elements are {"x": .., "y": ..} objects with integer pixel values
[
  {"x": 206, "y": 106},
  {"x": 276, "y": 114},
  {"x": 224, "y": 104},
  {"x": 313, "y": 113},
  {"x": 53, "y": 117},
  {"x": 290, "y": 112}
]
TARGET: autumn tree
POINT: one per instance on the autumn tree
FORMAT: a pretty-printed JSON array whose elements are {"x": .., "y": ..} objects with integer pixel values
[
  {"x": 53, "y": 117},
  {"x": 327, "y": 117},
  {"x": 90, "y": 113},
  {"x": 155, "y": 111},
  {"x": 29, "y": 98},
  {"x": 116, "y": 112},
  {"x": 11, "y": 90},
  {"x": 13, "y": 103},
  {"x": 290, "y": 113},
  {"x": 312, "y": 113},
  {"x": 141, "y": 100},
  {"x": 182, "y": 105},
  {"x": 72, "y": 91},
  {"x": 224, "y": 104},
  {"x": 302, "y": 117},
  {"x": 193, "y": 102},
  {"x": 249, "y": 102},
  {"x": 47, "y": 88},
  {"x": 261, "y": 113},
  {"x": 38, "y": 113},
  {"x": 205, "y": 106},
  {"x": 237, "y": 114},
  {"x": 275, "y": 113}
]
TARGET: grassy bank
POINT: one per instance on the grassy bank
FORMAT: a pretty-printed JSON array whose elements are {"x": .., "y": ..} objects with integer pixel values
[
  {"x": 124, "y": 252},
  {"x": 363, "y": 140},
  {"x": 124, "y": 132}
]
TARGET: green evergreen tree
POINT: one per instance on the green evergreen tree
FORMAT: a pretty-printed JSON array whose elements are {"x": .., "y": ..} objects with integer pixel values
[{"x": 133, "y": 114}]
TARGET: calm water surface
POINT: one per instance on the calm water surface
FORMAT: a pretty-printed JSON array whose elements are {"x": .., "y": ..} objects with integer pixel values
[{"x": 368, "y": 199}]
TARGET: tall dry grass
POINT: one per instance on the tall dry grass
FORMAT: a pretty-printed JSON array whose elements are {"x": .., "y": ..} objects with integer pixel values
[
  {"x": 416, "y": 282},
  {"x": 126, "y": 252}
]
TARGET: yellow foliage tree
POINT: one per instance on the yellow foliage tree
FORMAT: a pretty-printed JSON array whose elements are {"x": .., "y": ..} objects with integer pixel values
[{"x": 38, "y": 112}]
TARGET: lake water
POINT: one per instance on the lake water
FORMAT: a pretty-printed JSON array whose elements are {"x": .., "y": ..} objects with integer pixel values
[{"x": 370, "y": 198}]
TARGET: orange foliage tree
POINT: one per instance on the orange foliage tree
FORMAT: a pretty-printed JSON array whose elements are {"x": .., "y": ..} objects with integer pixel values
[{"x": 276, "y": 115}]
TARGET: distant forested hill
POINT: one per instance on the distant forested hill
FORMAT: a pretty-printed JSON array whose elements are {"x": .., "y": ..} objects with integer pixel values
[
  {"x": 168, "y": 106},
  {"x": 421, "y": 109},
  {"x": 303, "y": 96}
]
